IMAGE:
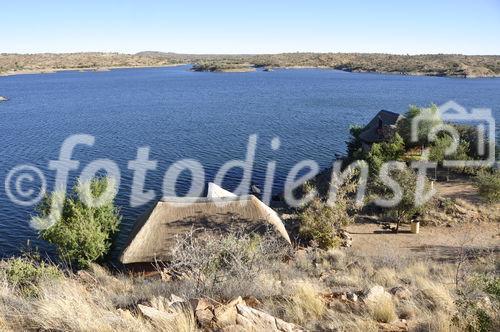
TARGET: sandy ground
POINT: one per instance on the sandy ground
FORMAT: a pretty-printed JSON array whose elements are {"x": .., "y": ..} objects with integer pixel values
[{"x": 436, "y": 243}]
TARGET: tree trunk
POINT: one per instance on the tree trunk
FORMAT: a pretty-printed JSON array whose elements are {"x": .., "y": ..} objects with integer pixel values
[{"x": 397, "y": 225}]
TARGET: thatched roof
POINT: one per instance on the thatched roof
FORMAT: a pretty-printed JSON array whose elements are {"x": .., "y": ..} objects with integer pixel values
[
  {"x": 373, "y": 131},
  {"x": 155, "y": 232}
]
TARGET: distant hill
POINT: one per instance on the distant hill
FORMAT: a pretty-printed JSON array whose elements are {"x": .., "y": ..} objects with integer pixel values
[{"x": 453, "y": 65}]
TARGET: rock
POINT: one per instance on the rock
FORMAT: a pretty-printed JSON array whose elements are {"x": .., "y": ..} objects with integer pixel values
[
  {"x": 159, "y": 303},
  {"x": 401, "y": 326},
  {"x": 155, "y": 314},
  {"x": 351, "y": 296},
  {"x": 255, "y": 320},
  {"x": 203, "y": 311},
  {"x": 401, "y": 293},
  {"x": 225, "y": 315},
  {"x": 252, "y": 302},
  {"x": 175, "y": 299},
  {"x": 345, "y": 238},
  {"x": 234, "y": 328},
  {"x": 236, "y": 316},
  {"x": 342, "y": 296},
  {"x": 125, "y": 314},
  {"x": 375, "y": 294}
]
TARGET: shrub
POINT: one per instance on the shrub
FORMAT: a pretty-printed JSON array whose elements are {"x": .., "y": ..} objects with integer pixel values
[
  {"x": 227, "y": 265},
  {"x": 440, "y": 145},
  {"x": 319, "y": 222},
  {"x": 25, "y": 274},
  {"x": 83, "y": 233},
  {"x": 488, "y": 184},
  {"x": 380, "y": 153},
  {"x": 319, "y": 219}
]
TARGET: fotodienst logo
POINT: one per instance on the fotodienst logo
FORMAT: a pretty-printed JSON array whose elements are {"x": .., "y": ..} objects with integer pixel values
[{"x": 426, "y": 127}]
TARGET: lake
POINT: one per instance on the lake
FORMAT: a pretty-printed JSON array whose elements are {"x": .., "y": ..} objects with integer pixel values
[{"x": 205, "y": 116}]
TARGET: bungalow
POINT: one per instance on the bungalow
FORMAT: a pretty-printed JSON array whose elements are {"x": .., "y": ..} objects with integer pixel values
[
  {"x": 155, "y": 232},
  {"x": 381, "y": 128}
]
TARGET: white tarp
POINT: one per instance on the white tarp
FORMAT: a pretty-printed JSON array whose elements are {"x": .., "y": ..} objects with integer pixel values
[{"x": 214, "y": 191}]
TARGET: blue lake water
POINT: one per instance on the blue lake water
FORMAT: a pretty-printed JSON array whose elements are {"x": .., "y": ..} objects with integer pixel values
[{"x": 205, "y": 116}]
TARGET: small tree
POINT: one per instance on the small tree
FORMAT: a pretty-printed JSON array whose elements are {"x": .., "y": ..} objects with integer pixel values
[
  {"x": 83, "y": 233},
  {"x": 432, "y": 119},
  {"x": 488, "y": 184},
  {"x": 319, "y": 220},
  {"x": 354, "y": 145},
  {"x": 407, "y": 208}
]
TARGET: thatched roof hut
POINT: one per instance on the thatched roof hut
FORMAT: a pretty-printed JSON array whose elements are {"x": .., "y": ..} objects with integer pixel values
[
  {"x": 381, "y": 127},
  {"x": 155, "y": 232}
]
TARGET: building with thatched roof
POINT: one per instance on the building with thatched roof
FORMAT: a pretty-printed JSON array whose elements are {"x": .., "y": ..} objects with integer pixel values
[
  {"x": 155, "y": 232},
  {"x": 381, "y": 128}
]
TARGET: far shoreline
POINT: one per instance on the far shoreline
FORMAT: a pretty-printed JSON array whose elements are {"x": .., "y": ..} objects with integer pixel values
[
  {"x": 243, "y": 70},
  {"x": 83, "y": 70}
]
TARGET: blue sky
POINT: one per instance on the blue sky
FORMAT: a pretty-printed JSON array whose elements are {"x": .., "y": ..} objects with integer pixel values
[{"x": 439, "y": 26}]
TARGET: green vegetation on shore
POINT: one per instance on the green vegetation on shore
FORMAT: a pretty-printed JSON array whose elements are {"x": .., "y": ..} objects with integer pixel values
[
  {"x": 453, "y": 65},
  {"x": 222, "y": 66}
]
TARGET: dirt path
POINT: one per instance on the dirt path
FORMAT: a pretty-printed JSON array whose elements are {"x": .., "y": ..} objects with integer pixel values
[
  {"x": 459, "y": 188},
  {"x": 437, "y": 243}
]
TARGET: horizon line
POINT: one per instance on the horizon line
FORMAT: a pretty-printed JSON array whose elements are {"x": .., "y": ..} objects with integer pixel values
[{"x": 246, "y": 54}]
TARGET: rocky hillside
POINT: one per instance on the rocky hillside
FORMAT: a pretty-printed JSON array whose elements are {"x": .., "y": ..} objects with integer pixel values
[{"x": 432, "y": 65}]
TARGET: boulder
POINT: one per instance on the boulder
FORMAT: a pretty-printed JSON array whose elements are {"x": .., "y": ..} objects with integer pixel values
[
  {"x": 203, "y": 312},
  {"x": 376, "y": 294},
  {"x": 225, "y": 315},
  {"x": 255, "y": 320},
  {"x": 236, "y": 316}
]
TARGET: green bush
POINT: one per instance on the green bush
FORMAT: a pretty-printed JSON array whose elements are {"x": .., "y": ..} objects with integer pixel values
[
  {"x": 380, "y": 153},
  {"x": 474, "y": 313},
  {"x": 432, "y": 119},
  {"x": 83, "y": 233},
  {"x": 318, "y": 223},
  {"x": 440, "y": 145},
  {"x": 25, "y": 274},
  {"x": 488, "y": 184}
]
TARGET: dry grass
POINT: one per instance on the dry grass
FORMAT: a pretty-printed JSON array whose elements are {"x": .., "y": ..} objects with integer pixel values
[
  {"x": 383, "y": 310},
  {"x": 305, "y": 303},
  {"x": 296, "y": 290},
  {"x": 434, "y": 296},
  {"x": 386, "y": 277}
]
